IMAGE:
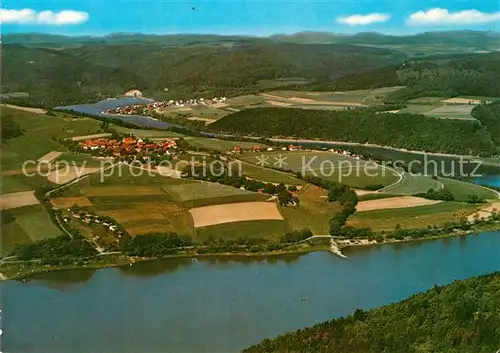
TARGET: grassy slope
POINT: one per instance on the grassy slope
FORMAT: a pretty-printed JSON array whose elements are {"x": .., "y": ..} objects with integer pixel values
[
  {"x": 25, "y": 225},
  {"x": 269, "y": 229},
  {"x": 412, "y": 217},
  {"x": 313, "y": 212},
  {"x": 413, "y": 184},
  {"x": 39, "y": 131},
  {"x": 462, "y": 190},
  {"x": 330, "y": 166},
  {"x": 460, "y": 317}
]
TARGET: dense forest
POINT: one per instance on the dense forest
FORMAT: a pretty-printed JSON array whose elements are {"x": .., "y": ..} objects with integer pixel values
[
  {"x": 439, "y": 76},
  {"x": 489, "y": 116},
  {"x": 55, "y": 77},
  {"x": 410, "y": 131},
  {"x": 461, "y": 317}
]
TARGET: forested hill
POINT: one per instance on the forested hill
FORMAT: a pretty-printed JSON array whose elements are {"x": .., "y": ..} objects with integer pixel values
[
  {"x": 440, "y": 76},
  {"x": 489, "y": 116},
  {"x": 410, "y": 131},
  {"x": 458, "y": 318},
  {"x": 53, "y": 77}
]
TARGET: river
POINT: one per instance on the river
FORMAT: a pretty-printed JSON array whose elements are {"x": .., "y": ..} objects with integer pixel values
[
  {"x": 217, "y": 305},
  {"x": 97, "y": 109}
]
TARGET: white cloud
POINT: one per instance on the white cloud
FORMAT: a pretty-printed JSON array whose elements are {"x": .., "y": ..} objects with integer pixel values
[
  {"x": 357, "y": 20},
  {"x": 439, "y": 16},
  {"x": 30, "y": 16}
]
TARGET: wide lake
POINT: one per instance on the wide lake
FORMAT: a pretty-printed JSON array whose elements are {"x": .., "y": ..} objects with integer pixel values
[
  {"x": 97, "y": 109},
  {"x": 221, "y": 305}
]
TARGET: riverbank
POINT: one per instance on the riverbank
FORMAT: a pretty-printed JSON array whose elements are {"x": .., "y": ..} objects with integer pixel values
[
  {"x": 23, "y": 270},
  {"x": 357, "y": 144}
]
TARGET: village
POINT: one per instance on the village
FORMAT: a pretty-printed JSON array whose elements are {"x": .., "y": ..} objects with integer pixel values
[
  {"x": 141, "y": 108},
  {"x": 129, "y": 146}
]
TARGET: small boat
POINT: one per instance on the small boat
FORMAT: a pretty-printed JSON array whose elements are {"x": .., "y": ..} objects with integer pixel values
[{"x": 303, "y": 299}]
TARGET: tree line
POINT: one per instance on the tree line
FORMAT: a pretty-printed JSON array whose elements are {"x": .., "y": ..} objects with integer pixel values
[
  {"x": 460, "y": 317},
  {"x": 409, "y": 131}
]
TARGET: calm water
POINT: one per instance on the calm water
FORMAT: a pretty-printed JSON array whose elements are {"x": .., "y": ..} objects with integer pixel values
[
  {"x": 99, "y": 107},
  {"x": 493, "y": 180},
  {"x": 222, "y": 306}
]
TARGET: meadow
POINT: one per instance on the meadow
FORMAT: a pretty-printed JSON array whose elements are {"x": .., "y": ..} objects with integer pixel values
[
  {"x": 25, "y": 225},
  {"x": 39, "y": 132},
  {"x": 313, "y": 211},
  {"x": 413, "y": 217},
  {"x": 220, "y": 145},
  {"x": 268, "y": 175},
  {"x": 269, "y": 229},
  {"x": 413, "y": 184},
  {"x": 330, "y": 166}
]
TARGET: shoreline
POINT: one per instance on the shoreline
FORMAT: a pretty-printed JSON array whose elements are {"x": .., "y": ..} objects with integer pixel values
[
  {"x": 328, "y": 142},
  {"x": 125, "y": 260}
]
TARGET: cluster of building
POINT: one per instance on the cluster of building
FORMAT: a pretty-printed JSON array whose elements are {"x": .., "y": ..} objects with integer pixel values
[
  {"x": 129, "y": 146},
  {"x": 135, "y": 108},
  {"x": 257, "y": 148}
]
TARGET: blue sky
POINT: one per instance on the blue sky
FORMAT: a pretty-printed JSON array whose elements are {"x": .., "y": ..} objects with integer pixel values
[{"x": 257, "y": 17}]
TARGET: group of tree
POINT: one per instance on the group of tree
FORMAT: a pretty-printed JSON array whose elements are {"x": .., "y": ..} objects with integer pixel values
[
  {"x": 222, "y": 174},
  {"x": 442, "y": 194},
  {"x": 10, "y": 128},
  {"x": 460, "y": 317},
  {"x": 489, "y": 116},
  {"x": 54, "y": 250},
  {"x": 409, "y": 131}
]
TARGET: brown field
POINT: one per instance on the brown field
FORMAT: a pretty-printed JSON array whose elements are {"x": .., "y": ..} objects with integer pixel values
[
  {"x": 279, "y": 104},
  {"x": 17, "y": 199},
  {"x": 302, "y": 100},
  {"x": 49, "y": 157},
  {"x": 65, "y": 202},
  {"x": 485, "y": 212},
  {"x": 123, "y": 190},
  {"x": 152, "y": 217},
  {"x": 393, "y": 202},
  {"x": 236, "y": 212}
]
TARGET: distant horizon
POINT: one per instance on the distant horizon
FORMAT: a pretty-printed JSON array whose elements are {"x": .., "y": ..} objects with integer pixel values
[
  {"x": 340, "y": 34},
  {"x": 243, "y": 17}
]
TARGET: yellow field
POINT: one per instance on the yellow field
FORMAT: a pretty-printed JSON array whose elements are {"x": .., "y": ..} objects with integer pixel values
[{"x": 235, "y": 212}]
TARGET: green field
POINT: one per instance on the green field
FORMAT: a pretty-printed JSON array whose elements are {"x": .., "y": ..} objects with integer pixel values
[
  {"x": 24, "y": 225},
  {"x": 313, "y": 211},
  {"x": 462, "y": 190},
  {"x": 206, "y": 194},
  {"x": 220, "y": 145},
  {"x": 375, "y": 196},
  {"x": 39, "y": 132},
  {"x": 267, "y": 175},
  {"x": 20, "y": 182},
  {"x": 452, "y": 111},
  {"x": 413, "y": 184},
  {"x": 77, "y": 159},
  {"x": 412, "y": 217},
  {"x": 146, "y": 133},
  {"x": 269, "y": 229},
  {"x": 330, "y": 166}
]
